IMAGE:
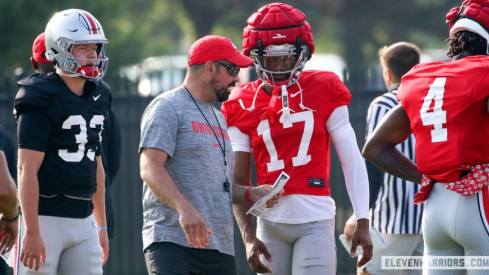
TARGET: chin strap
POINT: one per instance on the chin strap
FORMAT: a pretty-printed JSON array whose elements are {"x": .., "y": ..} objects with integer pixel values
[
  {"x": 90, "y": 71},
  {"x": 269, "y": 113},
  {"x": 60, "y": 72},
  {"x": 86, "y": 72},
  {"x": 254, "y": 99}
]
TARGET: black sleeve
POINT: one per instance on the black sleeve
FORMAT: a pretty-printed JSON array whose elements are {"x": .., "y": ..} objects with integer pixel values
[
  {"x": 375, "y": 179},
  {"x": 33, "y": 131},
  {"x": 111, "y": 146}
]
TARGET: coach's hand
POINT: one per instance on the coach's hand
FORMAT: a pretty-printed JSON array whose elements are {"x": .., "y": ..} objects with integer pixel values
[
  {"x": 362, "y": 237},
  {"x": 194, "y": 226},
  {"x": 254, "y": 248},
  {"x": 8, "y": 234}
]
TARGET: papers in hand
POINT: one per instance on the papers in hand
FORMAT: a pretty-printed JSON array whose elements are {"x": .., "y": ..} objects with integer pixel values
[
  {"x": 377, "y": 242},
  {"x": 260, "y": 206}
]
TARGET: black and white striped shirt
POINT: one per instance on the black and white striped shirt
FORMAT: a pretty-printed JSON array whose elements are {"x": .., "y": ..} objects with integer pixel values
[{"x": 394, "y": 211}]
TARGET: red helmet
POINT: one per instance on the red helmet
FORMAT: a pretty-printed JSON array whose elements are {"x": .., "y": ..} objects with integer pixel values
[
  {"x": 472, "y": 16},
  {"x": 278, "y": 33}
]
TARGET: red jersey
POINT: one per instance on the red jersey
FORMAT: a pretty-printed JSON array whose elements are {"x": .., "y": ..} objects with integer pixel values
[
  {"x": 447, "y": 105},
  {"x": 301, "y": 149}
]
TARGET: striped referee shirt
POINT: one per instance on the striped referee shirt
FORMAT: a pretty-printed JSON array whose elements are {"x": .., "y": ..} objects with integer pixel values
[{"x": 394, "y": 211}]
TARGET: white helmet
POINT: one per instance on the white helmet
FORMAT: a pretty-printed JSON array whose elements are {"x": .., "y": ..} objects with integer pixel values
[{"x": 68, "y": 28}]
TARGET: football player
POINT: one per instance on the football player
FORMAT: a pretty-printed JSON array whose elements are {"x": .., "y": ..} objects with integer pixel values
[
  {"x": 287, "y": 118},
  {"x": 397, "y": 220},
  {"x": 445, "y": 105},
  {"x": 61, "y": 179},
  {"x": 185, "y": 162},
  {"x": 111, "y": 135},
  {"x": 39, "y": 62}
]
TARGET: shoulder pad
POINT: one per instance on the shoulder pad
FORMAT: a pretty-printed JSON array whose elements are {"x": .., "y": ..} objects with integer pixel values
[{"x": 36, "y": 93}]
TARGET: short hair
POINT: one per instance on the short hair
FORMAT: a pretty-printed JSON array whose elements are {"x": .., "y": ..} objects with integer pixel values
[
  {"x": 197, "y": 67},
  {"x": 466, "y": 41},
  {"x": 400, "y": 57}
]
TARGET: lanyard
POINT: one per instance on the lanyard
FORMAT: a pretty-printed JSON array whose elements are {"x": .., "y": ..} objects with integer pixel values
[{"x": 226, "y": 183}]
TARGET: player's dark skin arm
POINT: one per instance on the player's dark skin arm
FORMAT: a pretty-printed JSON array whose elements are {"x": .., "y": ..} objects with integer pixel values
[
  {"x": 254, "y": 246},
  {"x": 381, "y": 149}
]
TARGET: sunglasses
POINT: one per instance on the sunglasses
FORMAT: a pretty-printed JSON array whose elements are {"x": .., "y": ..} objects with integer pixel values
[{"x": 233, "y": 70}]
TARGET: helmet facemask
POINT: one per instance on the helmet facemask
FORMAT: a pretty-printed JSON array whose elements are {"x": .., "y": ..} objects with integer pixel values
[
  {"x": 65, "y": 59},
  {"x": 280, "y": 64}
]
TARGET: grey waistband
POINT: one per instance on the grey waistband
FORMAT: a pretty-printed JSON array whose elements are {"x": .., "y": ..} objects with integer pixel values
[{"x": 81, "y": 196}]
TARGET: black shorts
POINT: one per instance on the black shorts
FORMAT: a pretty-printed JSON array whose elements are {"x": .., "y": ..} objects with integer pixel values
[{"x": 172, "y": 259}]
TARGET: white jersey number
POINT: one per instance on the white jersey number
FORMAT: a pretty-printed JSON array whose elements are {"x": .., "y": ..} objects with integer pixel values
[
  {"x": 302, "y": 157},
  {"x": 437, "y": 117},
  {"x": 81, "y": 138}
]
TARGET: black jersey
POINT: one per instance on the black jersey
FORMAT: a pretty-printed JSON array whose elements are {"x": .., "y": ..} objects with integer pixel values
[{"x": 73, "y": 136}]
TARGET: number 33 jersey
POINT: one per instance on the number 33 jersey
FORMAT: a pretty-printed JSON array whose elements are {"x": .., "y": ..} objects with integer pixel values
[
  {"x": 447, "y": 105},
  {"x": 300, "y": 145},
  {"x": 68, "y": 130}
]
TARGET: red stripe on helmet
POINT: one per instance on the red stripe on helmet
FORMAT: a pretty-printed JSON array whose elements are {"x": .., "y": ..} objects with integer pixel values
[{"x": 93, "y": 24}]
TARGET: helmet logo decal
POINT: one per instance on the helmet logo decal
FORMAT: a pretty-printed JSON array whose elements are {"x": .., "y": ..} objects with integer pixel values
[
  {"x": 278, "y": 35},
  {"x": 90, "y": 23}
]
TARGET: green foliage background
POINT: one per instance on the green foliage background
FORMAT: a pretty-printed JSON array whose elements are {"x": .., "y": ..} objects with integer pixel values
[{"x": 137, "y": 29}]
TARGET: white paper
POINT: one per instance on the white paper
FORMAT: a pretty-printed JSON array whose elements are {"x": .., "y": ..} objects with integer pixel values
[
  {"x": 260, "y": 206},
  {"x": 377, "y": 242}
]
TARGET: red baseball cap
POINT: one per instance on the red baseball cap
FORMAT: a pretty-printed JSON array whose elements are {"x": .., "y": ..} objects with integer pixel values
[
  {"x": 214, "y": 48},
  {"x": 38, "y": 48}
]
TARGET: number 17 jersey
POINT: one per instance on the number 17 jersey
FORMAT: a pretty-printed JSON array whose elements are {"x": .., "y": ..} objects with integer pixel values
[
  {"x": 447, "y": 105},
  {"x": 300, "y": 148}
]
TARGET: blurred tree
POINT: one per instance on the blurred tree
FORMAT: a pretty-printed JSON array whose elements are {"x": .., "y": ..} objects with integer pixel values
[
  {"x": 354, "y": 29},
  {"x": 138, "y": 29}
]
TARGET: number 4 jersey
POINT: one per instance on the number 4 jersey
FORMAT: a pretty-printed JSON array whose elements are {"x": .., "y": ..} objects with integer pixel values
[
  {"x": 66, "y": 127},
  {"x": 300, "y": 145},
  {"x": 447, "y": 105}
]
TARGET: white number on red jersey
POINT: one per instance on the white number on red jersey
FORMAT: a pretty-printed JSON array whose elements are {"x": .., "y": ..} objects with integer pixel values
[
  {"x": 302, "y": 157},
  {"x": 81, "y": 138},
  {"x": 437, "y": 116}
]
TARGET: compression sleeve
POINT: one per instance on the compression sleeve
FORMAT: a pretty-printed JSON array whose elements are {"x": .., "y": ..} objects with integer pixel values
[
  {"x": 344, "y": 141},
  {"x": 30, "y": 134}
]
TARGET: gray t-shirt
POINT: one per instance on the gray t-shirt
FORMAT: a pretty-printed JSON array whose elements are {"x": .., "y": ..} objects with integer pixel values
[{"x": 173, "y": 123}]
